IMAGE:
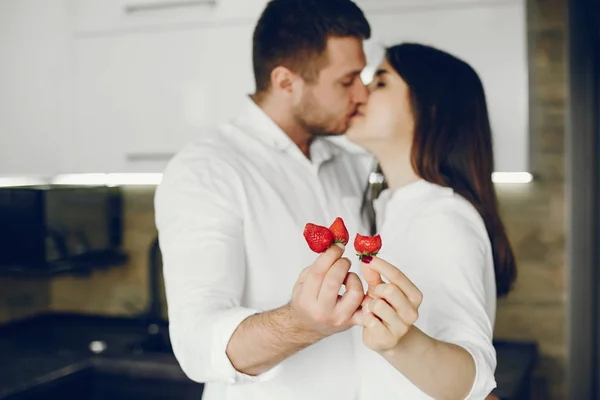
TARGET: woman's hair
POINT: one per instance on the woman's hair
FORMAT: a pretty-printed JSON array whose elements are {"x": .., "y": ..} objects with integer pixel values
[{"x": 452, "y": 143}]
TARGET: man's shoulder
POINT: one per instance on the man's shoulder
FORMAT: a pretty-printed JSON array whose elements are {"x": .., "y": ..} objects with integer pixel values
[
  {"x": 208, "y": 148},
  {"x": 209, "y": 140}
]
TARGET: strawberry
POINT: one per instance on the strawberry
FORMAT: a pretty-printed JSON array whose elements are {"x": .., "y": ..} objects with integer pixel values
[
  {"x": 339, "y": 231},
  {"x": 367, "y": 246},
  {"x": 319, "y": 238}
]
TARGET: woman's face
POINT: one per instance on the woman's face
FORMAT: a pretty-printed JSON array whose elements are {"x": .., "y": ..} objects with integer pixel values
[{"x": 386, "y": 119}]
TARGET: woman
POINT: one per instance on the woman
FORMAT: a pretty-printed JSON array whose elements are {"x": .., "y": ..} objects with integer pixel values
[{"x": 431, "y": 326}]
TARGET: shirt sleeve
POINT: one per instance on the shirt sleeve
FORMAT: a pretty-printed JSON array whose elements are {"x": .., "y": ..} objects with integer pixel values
[
  {"x": 198, "y": 208},
  {"x": 448, "y": 256}
]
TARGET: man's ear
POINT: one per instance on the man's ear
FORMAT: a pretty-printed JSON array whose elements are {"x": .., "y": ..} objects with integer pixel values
[{"x": 282, "y": 79}]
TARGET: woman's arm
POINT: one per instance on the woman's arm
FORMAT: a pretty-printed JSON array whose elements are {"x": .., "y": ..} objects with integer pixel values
[
  {"x": 442, "y": 370},
  {"x": 439, "y": 336}
]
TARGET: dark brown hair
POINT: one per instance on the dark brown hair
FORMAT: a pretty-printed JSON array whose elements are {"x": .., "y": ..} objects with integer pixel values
[
  {"x": 452, "y": 144},
  {"x": 293, "y": 34}
]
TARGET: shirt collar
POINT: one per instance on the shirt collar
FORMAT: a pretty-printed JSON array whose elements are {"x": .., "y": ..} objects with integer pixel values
[
  {"x": 253, "y": 120},
  {"x": 322, "y": 150}
]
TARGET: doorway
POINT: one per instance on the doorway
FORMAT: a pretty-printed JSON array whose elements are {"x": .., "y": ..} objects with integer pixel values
[{"x": 583, "y": 199}]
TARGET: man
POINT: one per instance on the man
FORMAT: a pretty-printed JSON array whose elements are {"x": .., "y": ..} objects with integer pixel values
[{"x": 232, "y": 207}]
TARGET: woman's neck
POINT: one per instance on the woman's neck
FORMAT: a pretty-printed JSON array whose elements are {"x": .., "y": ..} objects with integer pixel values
[{"x": 396, "y": 166}]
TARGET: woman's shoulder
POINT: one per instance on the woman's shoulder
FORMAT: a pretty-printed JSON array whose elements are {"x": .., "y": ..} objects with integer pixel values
[
  {"x": 447, "y": 204},
  {"x": 431, "y": 209},
  {"x": 439, "y": 233},
  {"x": 448, "y": 215}
]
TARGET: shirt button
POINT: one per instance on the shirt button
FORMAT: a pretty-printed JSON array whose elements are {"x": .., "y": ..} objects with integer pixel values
[{"x": 231, "y": 380}]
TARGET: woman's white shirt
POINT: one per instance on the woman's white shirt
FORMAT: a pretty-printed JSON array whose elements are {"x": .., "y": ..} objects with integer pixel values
[{"x": 439, "y": 241}]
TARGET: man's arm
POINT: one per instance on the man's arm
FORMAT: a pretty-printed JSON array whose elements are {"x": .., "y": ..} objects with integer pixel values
[
  {"x": 263, "y": 340},
  {"x": 315, "y": 312},
  {"x": 215, "y": 338}
]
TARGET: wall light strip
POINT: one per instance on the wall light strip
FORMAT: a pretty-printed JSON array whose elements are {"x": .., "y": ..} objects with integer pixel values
[
  {"x": 151, "y": 179},
  {"x": 497, "y": 177},
  {"x": 108, "y": 179},
  {"x": 15, "y": 181},
  {"x": 512, "y": 177}
]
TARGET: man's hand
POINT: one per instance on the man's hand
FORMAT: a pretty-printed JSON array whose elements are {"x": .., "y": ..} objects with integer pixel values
[
  {"x": 316, "y": 303},
  {"x": 316, "y": 311}
]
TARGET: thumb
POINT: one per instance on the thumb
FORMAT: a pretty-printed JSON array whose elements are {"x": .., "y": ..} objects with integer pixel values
[
  {"x": 373, "y": 278},
  {"x": 358, "y": 316}
]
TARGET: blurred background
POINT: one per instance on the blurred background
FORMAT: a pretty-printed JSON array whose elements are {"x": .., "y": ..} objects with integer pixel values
[{"x": 97, "y": 95}]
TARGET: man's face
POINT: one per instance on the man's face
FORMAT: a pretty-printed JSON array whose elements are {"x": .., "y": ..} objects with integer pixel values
[{"x": 327, "y": 105}]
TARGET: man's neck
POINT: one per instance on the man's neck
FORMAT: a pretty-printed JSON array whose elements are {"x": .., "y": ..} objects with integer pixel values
[{"x": 286, "y": 122}]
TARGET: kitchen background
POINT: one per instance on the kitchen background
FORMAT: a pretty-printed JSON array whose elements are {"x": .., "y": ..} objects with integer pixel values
[{"x": 534, "y": 212}]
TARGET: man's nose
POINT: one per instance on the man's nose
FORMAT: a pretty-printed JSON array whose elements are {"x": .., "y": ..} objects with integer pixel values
[{"x": 361, "y": 92}]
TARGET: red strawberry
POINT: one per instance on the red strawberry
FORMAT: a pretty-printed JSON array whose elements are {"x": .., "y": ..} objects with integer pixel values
[
  {"x": 319, "y": 238},
  {"x": 339, "y": 231},
  {"x": 367, "y": 246}
]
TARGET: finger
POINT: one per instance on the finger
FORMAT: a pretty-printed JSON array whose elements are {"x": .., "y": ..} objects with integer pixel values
[
  {"x": 375, "y": 333},
  {"x": 398, "y": 301},
  {"x": 395, "y": 276},
  {"x": 326, "y": 259},
  {"x": 357, "y": 318},
  {"x": 392, "y": 321},
  {"x": 332, "y": 283},
  {"x": 300, "y": 281},
  {"x": 365, "y": 303},
  {"x": 372, "y": 277},
  {"x": 370, "y": 321},
  {"x": 318, "y": 270},
  {"x": 303, "y": 275},
  {"x": 358, "y": 315},
  {"x": 351, "y": 300}
]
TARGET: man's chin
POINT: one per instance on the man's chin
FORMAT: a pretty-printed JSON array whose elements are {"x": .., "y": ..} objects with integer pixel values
[
  {"x": 331, "y": 130},
  {"x": 329, "y": 133}
]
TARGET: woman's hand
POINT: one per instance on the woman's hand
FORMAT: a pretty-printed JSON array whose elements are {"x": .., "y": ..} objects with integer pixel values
[{"x": 389, "y": 309}]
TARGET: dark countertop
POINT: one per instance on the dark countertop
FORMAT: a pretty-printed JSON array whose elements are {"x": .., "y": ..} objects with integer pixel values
[{"x": 51, "y": 346}]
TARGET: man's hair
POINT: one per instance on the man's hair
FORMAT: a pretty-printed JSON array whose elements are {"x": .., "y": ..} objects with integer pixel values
[{"x": 294, "y": 33}]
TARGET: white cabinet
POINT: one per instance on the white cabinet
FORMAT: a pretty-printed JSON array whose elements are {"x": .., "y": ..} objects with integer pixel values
[
  {"x": 121, "y": 85},
  {"x": 145, "y": 82},
  {"x": 491, "y": 37},
  {"x": 35, "y": 87},
  {"x": 141, "y": 96},
  {"x": 102, "y": 16},
  {"x": 151, "y": 73}
]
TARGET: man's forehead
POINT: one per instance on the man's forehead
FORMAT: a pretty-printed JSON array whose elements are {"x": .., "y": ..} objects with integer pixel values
[{"x": 345, "y": 55}]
